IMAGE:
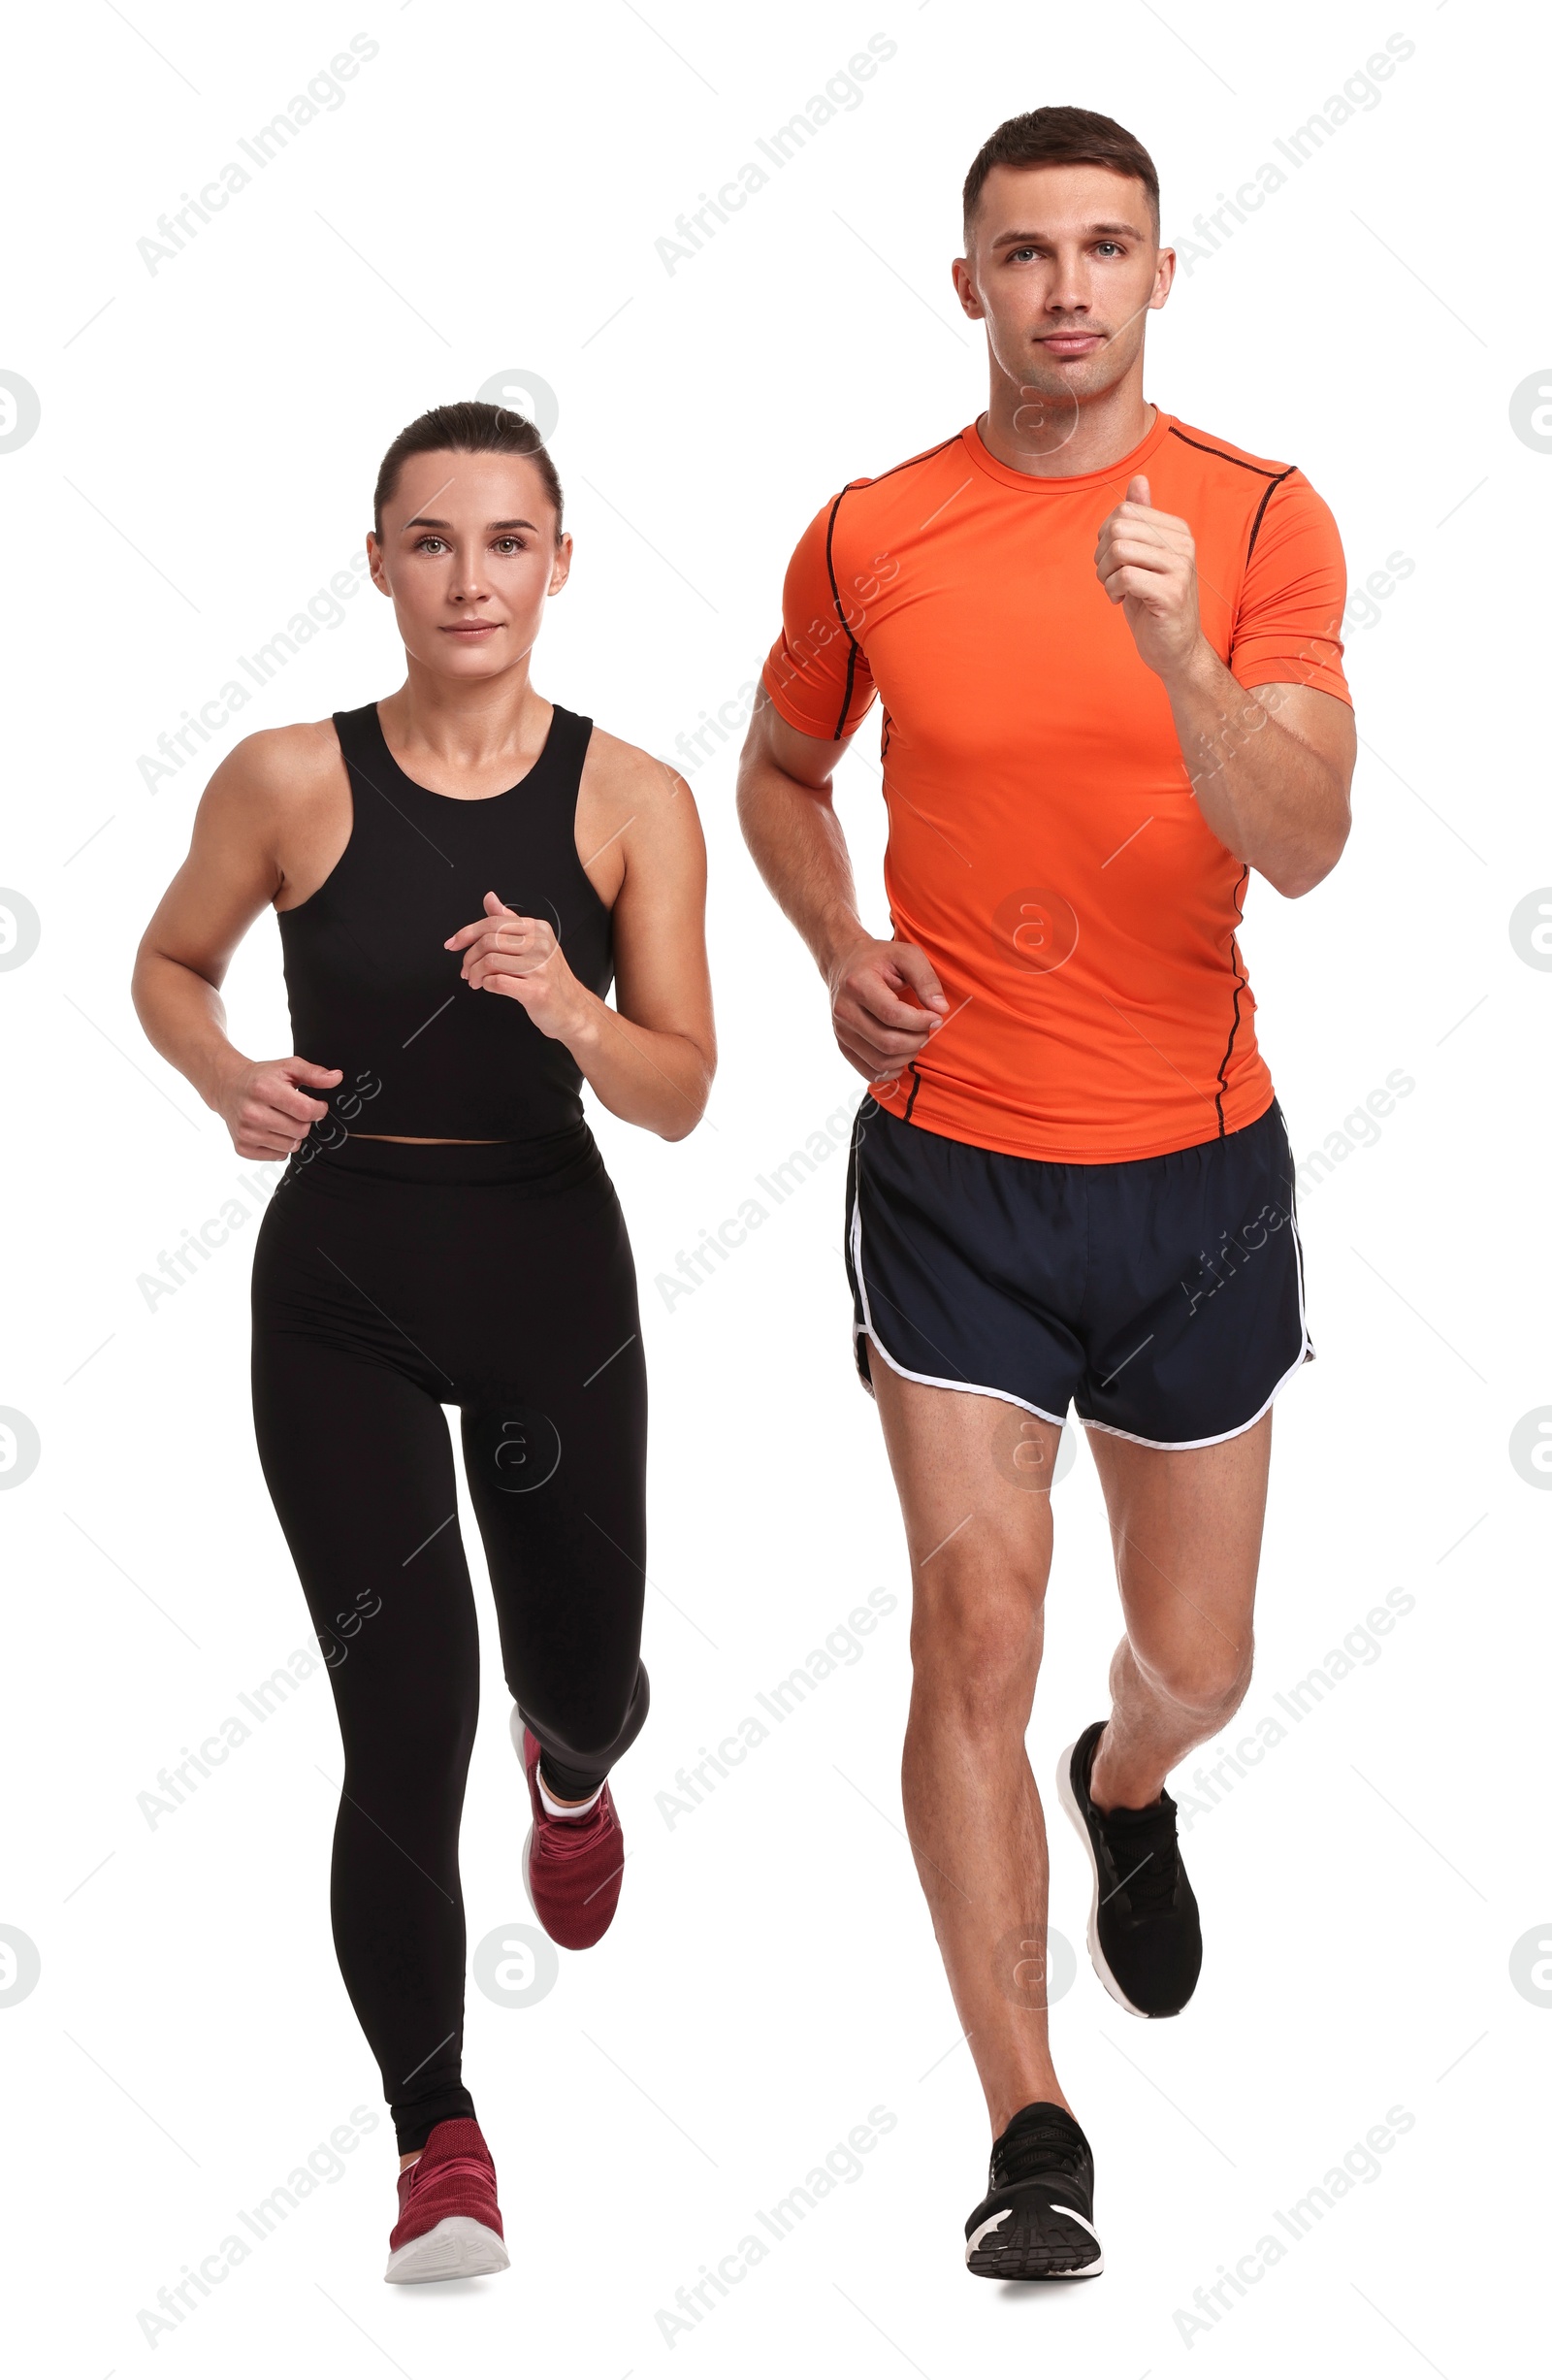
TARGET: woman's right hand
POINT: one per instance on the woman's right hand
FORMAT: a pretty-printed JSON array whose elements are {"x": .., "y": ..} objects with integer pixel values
[{"x": 264, "y": 1108}]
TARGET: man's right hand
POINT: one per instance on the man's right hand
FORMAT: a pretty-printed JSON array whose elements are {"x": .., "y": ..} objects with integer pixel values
[
  {"x": 264, "y": 1107},
  {"x": 878, "y": 1028}
]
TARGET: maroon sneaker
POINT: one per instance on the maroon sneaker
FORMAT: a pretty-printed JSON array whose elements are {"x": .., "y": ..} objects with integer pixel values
[
  {"x": 571, "y": 1865},
  {"x": 449, "y": 2225}
]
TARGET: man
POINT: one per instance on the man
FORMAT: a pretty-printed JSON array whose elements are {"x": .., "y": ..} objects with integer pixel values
[{"x": 1072, "y": 1181}]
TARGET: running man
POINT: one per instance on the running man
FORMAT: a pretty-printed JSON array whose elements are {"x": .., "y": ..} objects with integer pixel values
[{"x": 1106, "y": 646}]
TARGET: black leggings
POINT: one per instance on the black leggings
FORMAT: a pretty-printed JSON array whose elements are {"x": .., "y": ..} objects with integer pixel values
[{"x": 389, "y": 1280}]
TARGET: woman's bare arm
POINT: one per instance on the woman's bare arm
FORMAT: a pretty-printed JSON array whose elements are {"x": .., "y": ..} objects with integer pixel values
[
  {"x": 651, "y": 1057},
  {"x": 231, "y": 873}
]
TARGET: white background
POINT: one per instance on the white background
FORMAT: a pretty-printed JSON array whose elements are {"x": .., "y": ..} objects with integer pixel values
[{"x": 487, "y": 199}]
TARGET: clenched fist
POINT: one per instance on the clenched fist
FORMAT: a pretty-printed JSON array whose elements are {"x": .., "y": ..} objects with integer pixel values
[
  {"x": 879, "y": 1029},
  {"x": 520, "y": 958},
  {"x": 265, "y": 1107},
  {"x": 1147, "y": 563}
]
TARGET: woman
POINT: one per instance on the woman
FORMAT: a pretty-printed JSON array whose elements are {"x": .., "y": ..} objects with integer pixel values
[{"x": 457, "y": 870}]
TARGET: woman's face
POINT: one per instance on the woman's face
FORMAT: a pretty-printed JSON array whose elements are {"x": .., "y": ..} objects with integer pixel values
[{"x": 468, "y": 555}]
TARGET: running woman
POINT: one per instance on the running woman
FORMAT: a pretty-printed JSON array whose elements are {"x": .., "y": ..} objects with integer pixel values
[
  {"x": 457, "y": 870},
  {"x": 1071, "y": 1181}
]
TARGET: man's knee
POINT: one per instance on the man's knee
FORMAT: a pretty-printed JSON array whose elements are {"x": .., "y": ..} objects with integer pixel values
[
  {"x": 1205, "y": 1676},
  {"x": 976, "y": 1644}
]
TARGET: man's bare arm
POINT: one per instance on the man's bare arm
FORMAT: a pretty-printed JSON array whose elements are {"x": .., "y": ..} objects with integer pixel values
[
  {"x": 1272, "y": 770},
  {"x": 786, "y": 807},
  {"x": 1271, "y": 767}
]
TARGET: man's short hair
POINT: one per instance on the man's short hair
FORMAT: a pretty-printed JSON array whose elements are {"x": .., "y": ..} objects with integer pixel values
[{"x": 1062, "y": 136}]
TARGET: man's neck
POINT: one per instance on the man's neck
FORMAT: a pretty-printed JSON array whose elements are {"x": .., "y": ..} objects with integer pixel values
[{"x": 1057, "y": 439}]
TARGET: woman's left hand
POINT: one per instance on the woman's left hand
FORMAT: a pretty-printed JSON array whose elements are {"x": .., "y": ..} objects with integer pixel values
[{"x": 519, "y": 956}]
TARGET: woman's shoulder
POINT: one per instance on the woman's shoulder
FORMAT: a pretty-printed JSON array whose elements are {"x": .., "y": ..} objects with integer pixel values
[
  {"x": 617, "y": 771},
  {"x": 281, "y": 765},
  {"x": 306, "y": 744}
]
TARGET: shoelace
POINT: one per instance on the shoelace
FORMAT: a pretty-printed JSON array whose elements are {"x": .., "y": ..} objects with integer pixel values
[
  {"x": 461, "y": 2166},
  {"x": 1041, "y": 2149},
  {"x": 561, "y": 1835},
  {"x": 1148, "y": 1857}
]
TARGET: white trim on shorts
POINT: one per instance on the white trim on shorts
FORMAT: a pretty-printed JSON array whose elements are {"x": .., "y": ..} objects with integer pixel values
[
  {"x": 1183, "y": 1446},
  {"x": 924, "y": 1380},
  {"x": 968, "y": 1387}
]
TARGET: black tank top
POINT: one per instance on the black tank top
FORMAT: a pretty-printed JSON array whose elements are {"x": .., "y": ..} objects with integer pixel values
[{"x": 371, "y": 989}]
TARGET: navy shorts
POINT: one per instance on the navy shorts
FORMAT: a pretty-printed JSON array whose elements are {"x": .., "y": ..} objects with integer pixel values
[{"x": 1162, "y": 1298}]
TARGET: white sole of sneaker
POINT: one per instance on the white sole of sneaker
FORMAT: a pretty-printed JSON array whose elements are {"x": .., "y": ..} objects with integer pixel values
[
  {"x": 456, "y": 2249},
  {"x": 1069, "y": 1801}
]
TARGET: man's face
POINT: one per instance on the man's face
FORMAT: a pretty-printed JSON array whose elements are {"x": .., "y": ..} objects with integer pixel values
[{"x": 1064, "y": 268}]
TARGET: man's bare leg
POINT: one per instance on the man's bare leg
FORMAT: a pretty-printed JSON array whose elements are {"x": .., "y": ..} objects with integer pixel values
[
  {"x": 1186, "y": 1530},
  {"x": 980, "y": 1559}
]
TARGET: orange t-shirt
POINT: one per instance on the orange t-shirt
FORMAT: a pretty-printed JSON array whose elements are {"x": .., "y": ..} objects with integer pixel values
[{"x": 1046, "y": 849}]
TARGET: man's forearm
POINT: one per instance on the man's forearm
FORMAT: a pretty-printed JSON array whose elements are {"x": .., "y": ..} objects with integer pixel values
[
  {"x": 800, "y": 850},
  {"x": 1266, "y": 795}
]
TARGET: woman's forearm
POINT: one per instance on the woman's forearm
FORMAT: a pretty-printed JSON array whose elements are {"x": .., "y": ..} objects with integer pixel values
[
  {"x": 185, "y": 1019},
  {"x": 657, "y": 1080}
]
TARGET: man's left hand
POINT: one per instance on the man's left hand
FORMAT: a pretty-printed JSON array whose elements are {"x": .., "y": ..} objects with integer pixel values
[{"x": 1145, "y": 561}]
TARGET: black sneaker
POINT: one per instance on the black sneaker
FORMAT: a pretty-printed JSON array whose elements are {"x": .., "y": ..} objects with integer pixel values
[
  {"x": 1145, "y": 1934},
  {"x": 1035, "y": 2221}
]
